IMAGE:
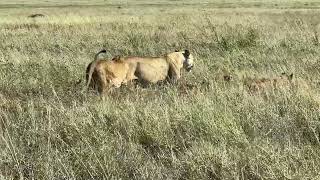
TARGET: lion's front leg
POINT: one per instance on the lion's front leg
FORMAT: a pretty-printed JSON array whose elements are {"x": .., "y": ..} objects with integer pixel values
[{"x": 174, "y": 74}]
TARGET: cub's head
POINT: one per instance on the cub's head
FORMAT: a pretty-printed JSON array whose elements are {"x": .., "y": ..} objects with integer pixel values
[
  {"x": 188, "y": 60},
  {"x": 286, "y": 76}
]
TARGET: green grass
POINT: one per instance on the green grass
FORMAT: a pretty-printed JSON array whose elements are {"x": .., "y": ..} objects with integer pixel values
[{"x": 201, "y": 128}]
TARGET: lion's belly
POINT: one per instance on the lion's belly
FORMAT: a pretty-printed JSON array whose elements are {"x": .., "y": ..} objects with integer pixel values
[{"x": 153, "y": 72}]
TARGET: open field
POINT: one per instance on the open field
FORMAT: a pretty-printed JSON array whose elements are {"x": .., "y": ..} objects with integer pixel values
[{"x": 201, "y": 128}]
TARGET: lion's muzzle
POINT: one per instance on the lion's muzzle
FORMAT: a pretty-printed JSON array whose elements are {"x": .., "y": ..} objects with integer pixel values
[{"x": 189, "y": 68}]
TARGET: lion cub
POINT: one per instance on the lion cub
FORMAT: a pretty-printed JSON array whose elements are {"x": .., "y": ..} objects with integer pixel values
[{"x": 263, "y": 84}]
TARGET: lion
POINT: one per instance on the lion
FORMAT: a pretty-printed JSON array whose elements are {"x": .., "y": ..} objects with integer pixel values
[
  {"x": 259, "y": 85},
  {"x": 104, "y": 74},
  {"x": 155, "y": 69}
]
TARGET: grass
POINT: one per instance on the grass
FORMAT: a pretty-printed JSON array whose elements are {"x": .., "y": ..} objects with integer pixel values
[{"x": 201, "y": 128}]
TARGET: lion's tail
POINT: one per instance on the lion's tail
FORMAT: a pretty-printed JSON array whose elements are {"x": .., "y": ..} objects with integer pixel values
[{"x": 91, "y": 67}]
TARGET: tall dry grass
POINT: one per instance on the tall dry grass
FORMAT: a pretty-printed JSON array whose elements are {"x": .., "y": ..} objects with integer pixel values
[{"x": 201, "y": 128}]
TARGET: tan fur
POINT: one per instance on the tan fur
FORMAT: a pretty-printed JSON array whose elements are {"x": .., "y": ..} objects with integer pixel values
[
  {"x": 259, "y": 85},
  {"x": 154, "y": 69},
  {"x": 104, "y": 74}
]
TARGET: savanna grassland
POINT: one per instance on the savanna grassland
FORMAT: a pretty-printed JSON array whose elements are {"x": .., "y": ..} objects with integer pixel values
[{"x": 200, "y": 128}]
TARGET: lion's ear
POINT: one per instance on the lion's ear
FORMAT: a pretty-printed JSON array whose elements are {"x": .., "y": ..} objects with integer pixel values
[{"x": 186, "y": 53}]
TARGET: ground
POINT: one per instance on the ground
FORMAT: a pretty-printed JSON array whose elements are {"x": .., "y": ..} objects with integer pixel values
[{"x": 201, "y": 128}]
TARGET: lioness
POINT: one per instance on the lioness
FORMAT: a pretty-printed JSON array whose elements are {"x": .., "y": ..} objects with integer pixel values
[
  {"x": 104, "y": 73},
  {"x": 154, "y": 69},
  {"x": 258, "y": 85}
]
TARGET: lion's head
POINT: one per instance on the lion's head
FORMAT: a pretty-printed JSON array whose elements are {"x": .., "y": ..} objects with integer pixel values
[{"x": 188, "y": 60}]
